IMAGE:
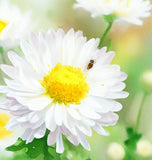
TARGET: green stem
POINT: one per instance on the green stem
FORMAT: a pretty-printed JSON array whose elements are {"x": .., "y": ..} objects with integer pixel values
[
  {"x": 2, "y": 55},
  {"x": 139, "y": 113},
  {"x": 105, "y": 34}
]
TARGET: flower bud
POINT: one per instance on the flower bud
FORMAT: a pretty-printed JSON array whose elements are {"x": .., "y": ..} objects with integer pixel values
[
  {"x": 144, "y": 148},
  {"x": 146, "y": 81},
  {"x": 116, "y": 151}
]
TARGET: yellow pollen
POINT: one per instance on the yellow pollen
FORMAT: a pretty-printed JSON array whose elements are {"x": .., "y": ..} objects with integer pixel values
[
  {"x": 66, "y": 84},
  {"x": 4, "y": 118},
  {"x": 3, "y": 24}
]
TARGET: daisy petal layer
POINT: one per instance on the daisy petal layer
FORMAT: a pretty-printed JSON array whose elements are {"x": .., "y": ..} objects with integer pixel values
[
  {"x": 130, "y": 11},
  {"x": 52, "y": 86}
]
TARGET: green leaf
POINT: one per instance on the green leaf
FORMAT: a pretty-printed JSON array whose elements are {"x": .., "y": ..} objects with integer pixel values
[
  {"x": 20, "y": 144},
  {"x": 36, "y": 148},
  {"x": 132, "y": 140},
  {"x": 131, "y": 144},
  {"x": 130, "y": 132},
  {"x": 21, "y": 156},
  {"x": 52, "y": 152}
]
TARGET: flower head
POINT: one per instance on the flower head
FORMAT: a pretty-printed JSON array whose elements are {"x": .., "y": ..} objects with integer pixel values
[
  {"x": 14, "y": 25},
  {"x": 63, "y": 83},
  {"x": 144, "y": 148},
  {"x": 7, "y": 138},
  {"x": 127, "y": 10},
  {"x": 116, "y": 151}
]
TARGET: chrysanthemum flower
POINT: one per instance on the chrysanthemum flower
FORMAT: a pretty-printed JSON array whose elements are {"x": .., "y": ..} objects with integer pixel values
[
  {"x": 63, "y": 83},
  {"x": 7, "y": 138},
  {"x": 127, "y": 10},
  {"x": 14, "y": 25}
]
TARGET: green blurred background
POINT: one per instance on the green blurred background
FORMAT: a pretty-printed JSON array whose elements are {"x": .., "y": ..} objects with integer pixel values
[{"x": 133, "y": 47}]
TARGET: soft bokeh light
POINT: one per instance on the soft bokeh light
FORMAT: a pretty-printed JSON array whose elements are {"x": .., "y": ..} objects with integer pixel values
[
  {"x": 144, "y": 148},
  {"x": 116, "y": 151}
]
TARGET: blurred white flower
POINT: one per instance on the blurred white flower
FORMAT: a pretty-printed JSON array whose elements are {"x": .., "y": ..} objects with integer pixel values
[
  {"x": 63, "y": 83},
  {"x": 7, "y": 138},
  {"x": 146, "y": 81},
  {"x": 144, "y": 148},
  {"x": 116, "y": 151},
  {"x": 126, "y": 10},
  {"x": 14, "y": 25}
]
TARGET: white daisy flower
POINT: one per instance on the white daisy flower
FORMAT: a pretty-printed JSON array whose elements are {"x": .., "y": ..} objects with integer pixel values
[
  {"x": 7, "y": 138},
  {"x": 144, "y": 148},
  {"x": 63, "y": 83},
  {"x": 116, "y": 151},
  {"x": 14, "y": 25},
  {"x": 127, "y": 10}
]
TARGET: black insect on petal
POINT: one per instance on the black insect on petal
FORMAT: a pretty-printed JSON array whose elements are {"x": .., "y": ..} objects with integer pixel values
[{"x": 91, "y": 63}]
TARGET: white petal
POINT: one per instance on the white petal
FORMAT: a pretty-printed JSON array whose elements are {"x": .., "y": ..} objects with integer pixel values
[
  {"x": 74, "y": 113},
  {"x": 100, "y": 130},
  {"x": 108, "y": 119},
  {"x": 88, "y": 112},
  {"x": 52, "y": 137},
  {"x": 9, "y": 70},
  {"x": 84, "y": 129},
  {"x": 12, "y": 124},
  {"x": 83, "y": 141},
  {"x": 35, "y": 103},
  {"x": 73, "y": 139},
  {"x": 59, "y": 144},
  {"x": 40, "y": 132},
  {"x": 50, "y": 120},
  {"x": 58, "y": 114},
  {"x": 117, "y": 95}
]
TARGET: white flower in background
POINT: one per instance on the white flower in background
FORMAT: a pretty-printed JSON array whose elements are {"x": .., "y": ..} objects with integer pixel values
[
  {"x": 128, "y": 10},
  {"x": 146, "y": 81},
  {"x": 116, "y": 151},
  {"x": 7, "y": 138},
  {"x": 14, "y": 25},
  {"x": 63, "y": 83},
  {"x": 144, "y": 148}
]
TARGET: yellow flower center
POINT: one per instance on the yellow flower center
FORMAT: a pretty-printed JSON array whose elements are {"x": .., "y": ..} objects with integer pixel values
[
  {"x": 66, "y": 84},
  {"x": 116, "y": 152},
  {"x": 107, "y": 1},
  {"x": 144, "y": 149},
  {"x": 119, "y": 10},
  {"x": 4, "y": 118},
  {"x": 3, "y": 24},
  {"x": 127, "y": 3}
]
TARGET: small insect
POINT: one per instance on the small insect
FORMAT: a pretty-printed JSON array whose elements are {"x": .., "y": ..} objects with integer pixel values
[{"x": 91, "y": 63}]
